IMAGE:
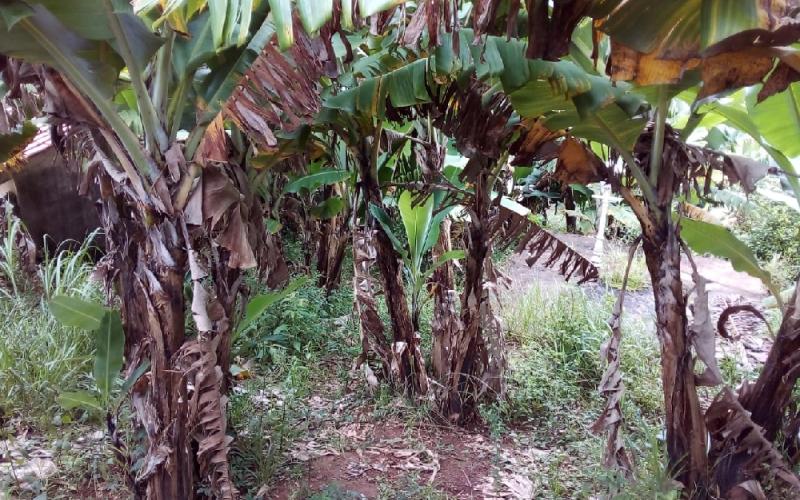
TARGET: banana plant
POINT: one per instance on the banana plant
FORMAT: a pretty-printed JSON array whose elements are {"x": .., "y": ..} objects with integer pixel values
[
  {"x": 422, "y": 222},
  {"x": 109, "y": 338},
  {"x": 106, "y": 396},
  {"x": 150, "y": 87}
]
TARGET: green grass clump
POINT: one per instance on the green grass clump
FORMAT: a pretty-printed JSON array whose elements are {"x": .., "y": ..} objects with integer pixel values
[
  {"x": 301, "y": 323},
  {"x": 612, "y": 271},
  {"x": 39, "y": 357},
  {"x": 557, "y": 363}
]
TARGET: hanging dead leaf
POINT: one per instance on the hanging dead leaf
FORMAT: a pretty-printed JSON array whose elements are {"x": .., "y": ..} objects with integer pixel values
[
  {"x": 540, "y": 243},
  {"x": 703, "y": 334},
  {"x": 577, "y": 164},
  {"x": 235, "y": 239},
  {"x": 214, "y": 144},
  {"x": 533, "y": 136}
]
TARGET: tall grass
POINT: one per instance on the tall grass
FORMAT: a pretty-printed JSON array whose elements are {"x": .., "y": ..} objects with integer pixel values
[
  {"x": 557, "y": 360},
  {"x": 39, "y": 357},
  {"x": 11, "y": 274},
  {"x": 552, "y": 390}
]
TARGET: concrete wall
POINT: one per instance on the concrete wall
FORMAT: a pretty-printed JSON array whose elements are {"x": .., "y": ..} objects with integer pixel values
[{"x": 48, "y": 201}]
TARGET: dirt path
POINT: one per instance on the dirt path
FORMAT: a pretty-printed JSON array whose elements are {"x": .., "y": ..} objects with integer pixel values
[{"x": 725, "y": 286}]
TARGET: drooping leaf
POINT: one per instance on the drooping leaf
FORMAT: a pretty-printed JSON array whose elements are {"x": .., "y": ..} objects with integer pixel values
[
  {"x": 79, "y": 399},
  {"x": 260, "y": 303},
  {"x": 704, "y": 237},
  {"x": 313, "y": 181},
  {"x": 386, "y": 224},
  {"x": 108, "y": 357},
  {"x": 541, "y": 245},
  {"x": 328, "y": 208},
  {"x": 222, "y": 81},
  {"x": 78, "y": 313},
  {"x": 40, "y": 37}
]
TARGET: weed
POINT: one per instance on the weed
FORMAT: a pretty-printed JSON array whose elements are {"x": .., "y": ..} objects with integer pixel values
[
  {"x": 40, "y": 358},
  {"x": 612, "y": 270},
  {"x": 264, "y": 414},
  {"x": 409, "y": 488},
  {"x": 299, "y": 324}
]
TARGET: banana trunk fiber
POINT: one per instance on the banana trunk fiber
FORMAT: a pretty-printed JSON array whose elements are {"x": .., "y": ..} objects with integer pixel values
[
  {"x": 446, "y": 323},
  {"x": 767, "y": 402},
  {"x": 685, "y": 427},
  {"x": 467, "y": 350}
]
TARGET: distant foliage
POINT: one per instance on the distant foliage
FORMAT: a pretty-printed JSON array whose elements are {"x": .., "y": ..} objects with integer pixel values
[{"x": 772, "y": 229}]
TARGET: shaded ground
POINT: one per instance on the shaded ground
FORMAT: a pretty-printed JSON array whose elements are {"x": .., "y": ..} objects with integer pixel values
[{"x": 377, "y": 458}]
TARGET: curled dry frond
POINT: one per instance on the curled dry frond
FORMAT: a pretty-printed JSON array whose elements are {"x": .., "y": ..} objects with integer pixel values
[
  {"x": 612, "y": 385},
  {"x": 206, "y": 407},
  {"x": 280, "y": 91},
  {"x": 733, "y": 433},
  {"x": 733, "y": 310},
  {"x": 540, "y": 244}
]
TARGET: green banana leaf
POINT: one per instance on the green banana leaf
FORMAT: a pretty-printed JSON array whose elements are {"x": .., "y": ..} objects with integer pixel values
[
  {"x": 704, "y": 237},
  {"x": 311, "y": 182},
  {"x": 78, "y": 313},
  {"x": 108, "y": 357},
  {"x": 14, "y": 142}
]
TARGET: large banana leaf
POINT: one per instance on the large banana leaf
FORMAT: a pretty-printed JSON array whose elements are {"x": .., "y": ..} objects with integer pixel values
[
  {"x": 564, "y": 92},
  {"x": 704, "y": 237},
  {"x": 405, "y": 86},
  {"x": 659, "y": 42},
  {"x": 78, "y": 313},
  {"x": 778, "y": 119},
  {"x": 679, "y": 27},
  {"x": 313, "y": 181},
  {"x": 745, "y": 121},
  {"x": 34, "y": 34},
  {"x": 417, "y": 221}
]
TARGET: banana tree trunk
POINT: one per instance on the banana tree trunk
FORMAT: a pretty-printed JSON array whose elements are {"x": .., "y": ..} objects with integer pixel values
[
  {"x": 569, "y": 206},
  {"x": 685, "y": 427},
  {"x": 446, "y": 323},
  {"x": 150, "y": 285},
  {"x": 179, "y": 404},
  {"x": 330, "y": 251},
  {"x": 467, "y": 351},
  {"x": 408, "y": 364}
]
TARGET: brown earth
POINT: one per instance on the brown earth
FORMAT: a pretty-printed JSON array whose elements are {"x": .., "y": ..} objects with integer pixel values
[{"x": 376, "y": 454}]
